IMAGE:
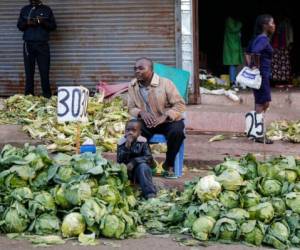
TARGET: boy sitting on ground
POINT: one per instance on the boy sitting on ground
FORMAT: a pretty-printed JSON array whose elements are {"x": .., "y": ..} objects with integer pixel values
[{"x": 134, "y": 151}]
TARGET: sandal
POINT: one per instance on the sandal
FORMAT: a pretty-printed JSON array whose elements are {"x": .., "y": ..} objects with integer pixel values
[
  {"x": 169, "y": 175},
  {"x": 263, "y": 140}
]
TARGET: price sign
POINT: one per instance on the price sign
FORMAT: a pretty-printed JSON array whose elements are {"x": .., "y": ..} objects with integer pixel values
[
  {"x": 72, "y": 104},
  {"x": 254, "y": 124}
]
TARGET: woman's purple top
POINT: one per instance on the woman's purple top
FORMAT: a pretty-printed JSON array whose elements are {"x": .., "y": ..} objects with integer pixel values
[{"x": 261, "y": 46}]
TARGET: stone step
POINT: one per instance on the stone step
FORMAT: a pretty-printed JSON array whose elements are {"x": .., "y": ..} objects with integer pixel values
[
  {"x": 225, "y": 118},
  {"x": 280, "y": 99}
]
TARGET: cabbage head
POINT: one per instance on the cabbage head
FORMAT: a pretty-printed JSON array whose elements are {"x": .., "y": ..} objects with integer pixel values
[
  {"x": 64, "y": 174},
  {"x": 92, "y": 211},
  {"x": 47, "y": 224},
  {"x": 42, "y": 202},
  {"x": 191, "y": 214},
  {"x": 77, "y": 193},
  {"x": 291, "y": 175},
  {"x": 225, "y": 230},
  {"x": 278, "y": 235},
  {"x": 207, "y": 188},
  {"x": 269, "y": 187},
  {"x": 59, "y": 196},
  {"x": 203, "y": 227},
  {"x": 253, "y": 232},
  {"x": 82, "y": 163},
  {"x": 22, "y": 194},
  {"x": 296, "y": 187},
  {"x": 279, "y": 206},
  {"x": 230, "y": 180},
  {"x": 211, "y": 208},
  {"x": 229, "y": 199},
  {"x": 112, "y": 226},
  {"x": 263, "y": 212},
  {"x": 237, "y": 214},
  {"x": 109, "y": 194},
  {"x": 250, "y": 199},
  {"x": 73, "y": 225},
  {"x": 292, "y": 200},
  {"x": 16, "y": 219}
]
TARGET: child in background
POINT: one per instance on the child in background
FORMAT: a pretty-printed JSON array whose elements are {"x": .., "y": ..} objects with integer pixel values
[{"x": 134, "y": 151}]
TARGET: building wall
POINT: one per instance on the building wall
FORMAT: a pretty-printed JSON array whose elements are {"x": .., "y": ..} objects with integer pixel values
[{"x": 187, "y": 36}]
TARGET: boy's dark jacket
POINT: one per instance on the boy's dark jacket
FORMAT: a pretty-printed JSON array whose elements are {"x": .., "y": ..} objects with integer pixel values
[{"x": 138, "y": 153}]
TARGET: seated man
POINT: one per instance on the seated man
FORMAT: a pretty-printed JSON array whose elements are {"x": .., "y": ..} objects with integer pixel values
[
  {"x": 157, "y": 102},
  {"x": 133, "y": 150}
]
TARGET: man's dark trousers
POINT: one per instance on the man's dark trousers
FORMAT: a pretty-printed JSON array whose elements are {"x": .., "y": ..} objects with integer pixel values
[
  {"x": 37, "y": 52},
  {"x": 174, "y": 133}
]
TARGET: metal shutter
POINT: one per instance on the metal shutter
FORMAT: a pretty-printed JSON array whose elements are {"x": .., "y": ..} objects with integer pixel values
[{"x": 95, "y": 40}]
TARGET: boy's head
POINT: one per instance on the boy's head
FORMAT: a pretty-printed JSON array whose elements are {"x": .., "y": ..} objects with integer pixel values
[{"x": 133, "y": 128}]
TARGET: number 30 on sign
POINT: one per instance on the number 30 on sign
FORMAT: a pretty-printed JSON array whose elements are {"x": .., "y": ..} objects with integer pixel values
[{"x": 72, "y": 104}]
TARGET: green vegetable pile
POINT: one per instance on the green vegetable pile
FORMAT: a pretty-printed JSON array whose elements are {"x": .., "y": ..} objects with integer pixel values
[
  {"x": 284, "y": 130},
  {"x": 38, "y": 116},
  {"x": 244, "y": 200},
  {"x": 73, "y": 196}
]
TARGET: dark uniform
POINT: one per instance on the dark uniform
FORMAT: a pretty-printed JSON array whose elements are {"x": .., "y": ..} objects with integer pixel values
[
  {"x": 139, "y": 155},
  {"x": 36, "y": 47}
]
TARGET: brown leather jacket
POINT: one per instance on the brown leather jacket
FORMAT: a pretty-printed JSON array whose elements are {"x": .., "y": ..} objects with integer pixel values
[{"x": 164, "y": 99}]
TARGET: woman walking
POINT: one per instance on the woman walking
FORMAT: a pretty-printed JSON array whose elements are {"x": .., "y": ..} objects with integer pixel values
[{"x": 261, "y": 48}]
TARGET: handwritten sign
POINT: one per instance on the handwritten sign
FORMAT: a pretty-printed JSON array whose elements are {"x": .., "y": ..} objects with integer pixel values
[
  {"x": 254, "y": 125},
  {"x": 72, "y": 104}
]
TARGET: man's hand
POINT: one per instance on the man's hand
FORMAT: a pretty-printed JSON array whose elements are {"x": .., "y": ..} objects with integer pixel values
[
  {"x": 31, "y": 23},
  {"x": 148, "y": 118},
  {"x": 159, "y": 121},
  {"x": 129, "y": 141}
]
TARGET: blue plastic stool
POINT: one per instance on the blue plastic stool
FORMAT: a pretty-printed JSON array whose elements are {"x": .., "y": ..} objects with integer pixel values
[
  {"x": 158, "y": 138},
  {"x": 87, "y": 148}
]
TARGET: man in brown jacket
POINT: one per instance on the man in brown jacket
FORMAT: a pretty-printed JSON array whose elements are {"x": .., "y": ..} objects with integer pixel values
[{"x": 157, "y": 102}]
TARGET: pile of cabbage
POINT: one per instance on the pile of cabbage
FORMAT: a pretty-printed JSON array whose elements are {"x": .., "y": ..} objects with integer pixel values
[
  {"x": 284, "y": 130},
  {"x": 82, "y": 196},
  {"x": 38, "y": 117},
  {"x": 242, "y": 201}
]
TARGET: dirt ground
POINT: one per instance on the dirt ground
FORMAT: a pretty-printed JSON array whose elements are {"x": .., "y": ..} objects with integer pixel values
[{"x": 147, "y": 243}]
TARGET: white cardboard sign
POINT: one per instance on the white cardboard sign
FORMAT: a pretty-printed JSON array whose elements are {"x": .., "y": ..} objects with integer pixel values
[{"x": 72, "y": 104}]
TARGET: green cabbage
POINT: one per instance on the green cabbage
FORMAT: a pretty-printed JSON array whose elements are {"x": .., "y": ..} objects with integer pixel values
[
  {"x": 112, "y": 227},
  {"x": 292, "y": 200},
  {"x": 229, "y": 199},
  {"x": 252, "y": 232},
  {"x": 211, "y": 208},
  {"x": 22, "y": 194},
  {"x": 92, "y": 211},
  {"x": 279, "y": 206},
  {"x": 73, "y": 225},
  {"x": 225, "y": 230},
  {"x": 47, "y": 224},
  {"x": 250, "y": 199},
  {"x": 77, "y": 193},
  {"x": 59, "y": 197},
  {"x": 263, "y": 212},
  {"x": 207, "y": 188},
  {"x": 108, "y": 194},
  {"x": 278, "y": 235},
  {"x": 230, "y": 180},
  {"x": 16, "y": 219},
  {"x": 42, "y": 202},
  {"x": 237, "y": 214},
  {"x": 270, "y": 187},
  {"x": 202, "y": 227}
]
